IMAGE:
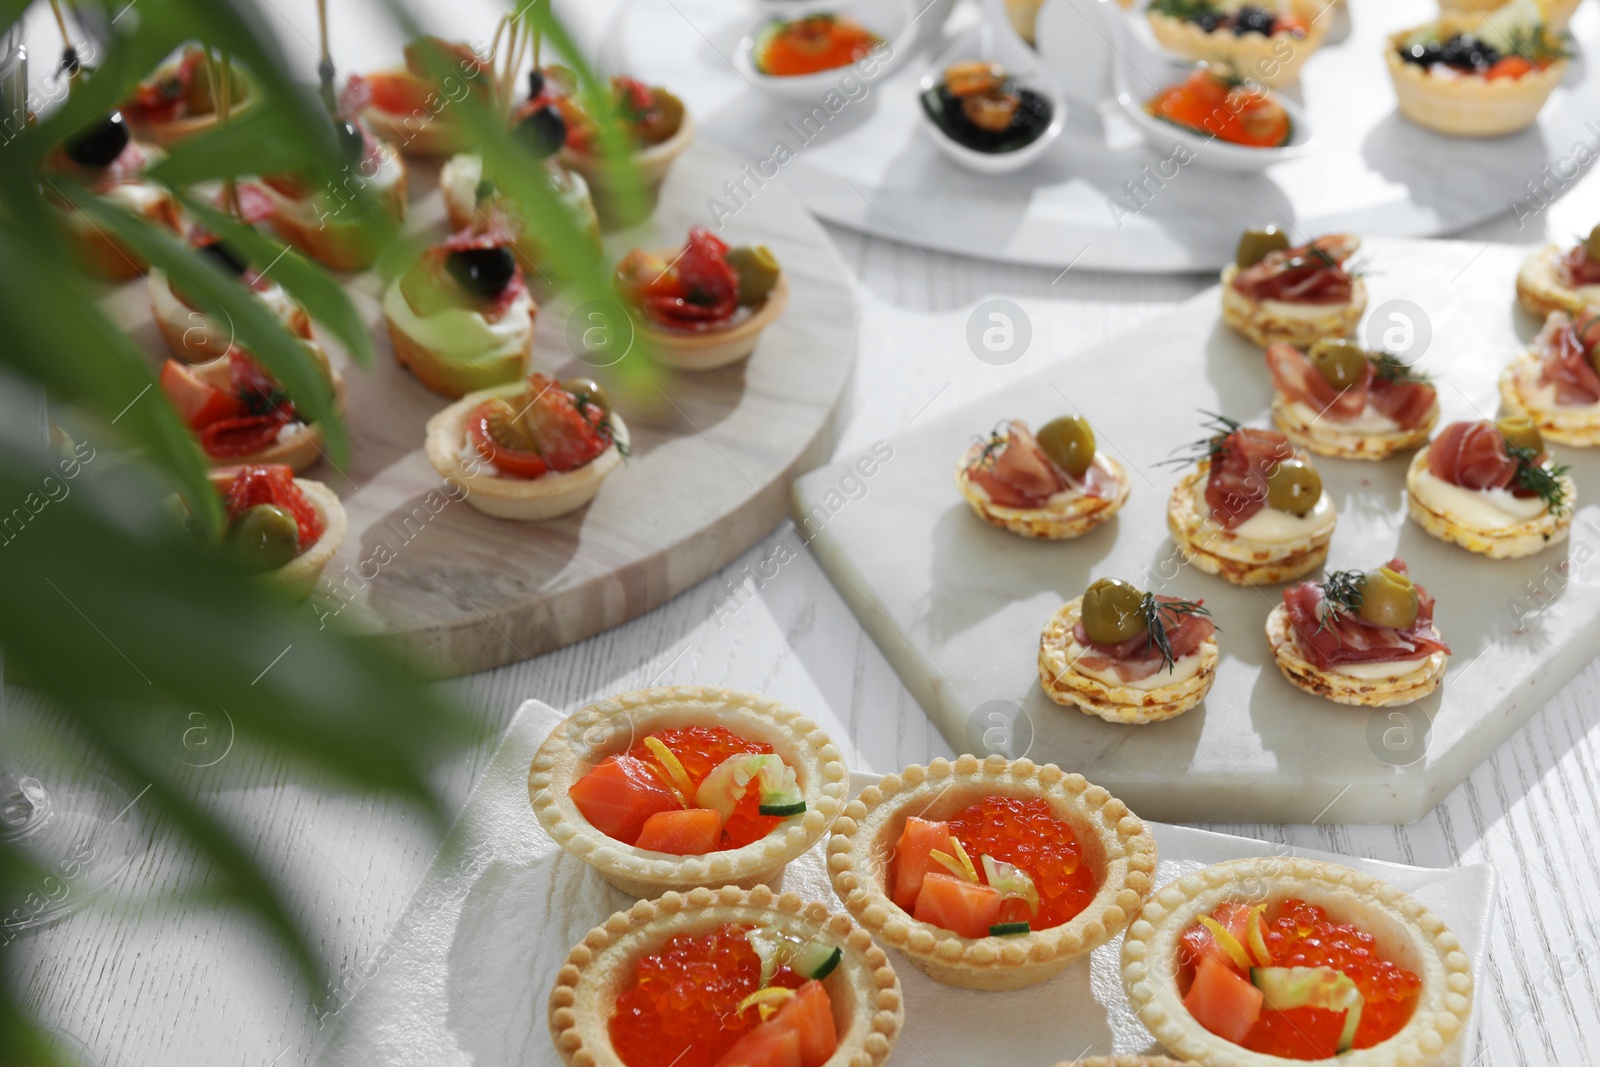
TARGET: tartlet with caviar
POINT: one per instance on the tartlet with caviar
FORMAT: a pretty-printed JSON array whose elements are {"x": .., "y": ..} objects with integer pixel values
[
  {"x": 240, "y": 413},
  {"x": 1561, "y": 279},
  {"x": 281, "y": 528},
  {"x": 702, "y": 306},
  {"x": 1339, "y": 400},
  {"x": 656, "y": 129},
  {"x": 1477, "y": 75},
  {"x": 1275, "y": 292},
  {"x": 1491, "y": 488},
  {"x": 1555, "y": 384},
  {"x": 1359, "y": 638},
  {"x": 1266, "y": 41},
  {"x": 681, "y": 787},
  {"x": 726, "y": 978},
  {"x": 989, "y": 874},
  {"x": 409, "y": 106},
  {"x": 1252, "y": 509},
  {"x": 1055, "y": 486},
  {"x": 194, "y": 336},
  {"x": 104, "y": 156},
  {"x": 1258, "y": 961},
  {"x": 176, "y": 102},
  {"x": 1128, "y": 656}
]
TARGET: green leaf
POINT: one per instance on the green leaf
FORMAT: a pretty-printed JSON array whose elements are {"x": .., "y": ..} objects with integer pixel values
[{"x": 259, "y": 140}]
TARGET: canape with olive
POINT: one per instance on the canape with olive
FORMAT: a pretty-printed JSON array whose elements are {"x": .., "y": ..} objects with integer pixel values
[
  {"x": 1251, "y": 508},
  {"x": 1555, "y": 383},
  {"x": 1561, "y": 277},
  {"x": 981, "y": 106},
  {"x": 279, "y": 527},
  {"x": 1127, "y": 655},
  {"x": 1056, "y": 485},
  {"x": 1275, "y": 290},
  {"x": 1337, "y": 399}
]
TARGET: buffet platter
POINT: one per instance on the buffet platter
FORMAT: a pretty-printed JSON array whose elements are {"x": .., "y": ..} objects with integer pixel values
[
  {"x": 1101, "y": 197},
  {"x": 958, "y": 606}
]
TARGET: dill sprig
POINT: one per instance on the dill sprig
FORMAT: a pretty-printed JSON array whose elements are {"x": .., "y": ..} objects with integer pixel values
[
  {"x": 1544, "y": 482},
  {"x": 1341, "y": 591},
  {"x": 1538, "y": 45},
  {"x": 1154, "y": 613},
  {"x": 992, "y": 446},
  {"x": 1210, "y": 447},
  {"x": 1184, "y": 10},
  {"x": 1391, "y": 368}
]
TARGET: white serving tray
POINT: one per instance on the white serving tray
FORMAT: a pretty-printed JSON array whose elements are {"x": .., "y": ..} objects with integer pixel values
[
  {"x": 464, "y": 975},
  {"x": 873, "y": 168},
  {"x": 957, "y": 606}
]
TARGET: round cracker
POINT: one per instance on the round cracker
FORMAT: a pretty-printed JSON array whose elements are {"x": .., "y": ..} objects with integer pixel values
[
  {"x": 1256, "y": 320},
  {"x": 1217, "y": 551},
  {"x": 1057, "y": 522},
  {"x": 1579, "y": 427},
  {"x": 1326, "y": 437},
  {"x": 1341, "y": 688},
  {"x": 1066, "y": 685},
  {"x": 1510, "y": 542}
]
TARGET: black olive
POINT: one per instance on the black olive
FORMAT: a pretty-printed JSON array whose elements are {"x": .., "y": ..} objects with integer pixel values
[
  {"x": 544, "y": 131},
  {"x": 535, "y": 83},
  {"x": 99, "y": 143},
  {"x": 352, "y": 145},
  {"x": 1466, "y": 52},
  {"x": 1253, "y": 20},
  {"x": 1424, "y": 55},
  {"x": 1208, "y": 21},
  {"x": 225, "y": 257},
  {"x": 483, "y": 272}
]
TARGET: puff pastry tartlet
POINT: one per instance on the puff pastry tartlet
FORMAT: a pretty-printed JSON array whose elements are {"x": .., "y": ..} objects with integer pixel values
[
  {"x": 640, "y": 766},
  {"x": 408, "y": 106},
  {"x": 1274, "y": 292},
  {"x": 1217, "y": 958},
  {"x": 1128, "y": 656},
  {"x": 1477, "y": 75},
  {"x": 240, "y": 414},
  {"x": 620, "y": 999},
  {"x": 1561, "y": 279},
  {"x": 1252, "y": 510},
  {"x": 1267, "y": 41},
  {"x": 1054, "y": 486},
  {"x": 194, "y": 336},
  {"x": 1338, "y": 400},
  {"x": 1491, "y": 488},
  {"x": 883, "y": 865},
  {"x": 1556, "y": 383},
  {"x": 657, "y": 129},
  {"x": 1363, "y": 639},
  {"x": 176, "y": 102},
  {"x": 281, "y": 528}
]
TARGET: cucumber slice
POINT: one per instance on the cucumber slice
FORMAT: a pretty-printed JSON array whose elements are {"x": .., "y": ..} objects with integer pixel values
[
  {"x": 779, "y": 788},
  {"x": 1284, "y": 988},
  {"x": 783, "y": 810},
  {"x": 816, "y": 960},
  {"x": 1009, "y": 929},
  {"x": 774, "y": 780}
]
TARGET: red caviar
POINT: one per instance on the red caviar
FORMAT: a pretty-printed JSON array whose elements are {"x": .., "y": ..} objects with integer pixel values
[
  {"x": 681, "y": 1008},
  {"x": 814, "y": 43},
  {"x": 1025, "y": 834},
  {"x": 701, "y": 749}
]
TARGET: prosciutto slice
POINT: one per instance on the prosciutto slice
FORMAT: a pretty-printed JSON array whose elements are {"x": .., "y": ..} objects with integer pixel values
[
  {"x": 1564, "y": 358},
  {"x": 1138, "y": 657},
  {"x": 1308, "y": 274},
  {"x": 1406, "y": 402},
  {"x": 1237, "y": 486},
  {"x": 1297, "y": 378},
  {"x": 1581, "y": 270},
  {"x": 1330, "y": 636},
  {"x": 1018, "y": 474},
  {"x": 1473, "y": 455}
]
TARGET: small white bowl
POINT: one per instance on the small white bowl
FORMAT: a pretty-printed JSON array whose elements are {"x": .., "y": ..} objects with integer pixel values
[
  {"x": 1214, "y": 153},
  {"x": 891, "y": 20}
]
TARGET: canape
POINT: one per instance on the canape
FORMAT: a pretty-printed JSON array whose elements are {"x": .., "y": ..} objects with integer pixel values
[
  {"x": 681, "y": 787},
  {"x": 1274, "y": 960},
  {"x": 1215, "y": 103},
  {"x": 1128, "y": 656},
  {"x": 176, "y": 102},
  {"x": 530, "y": 450},
  {"x": 656, "y": 128},
  {"x": 194, "y": 336},
  {"x": 1491, "y": 488},
  {"x": 461, "y": 318},
  {"x": 1476, "y": 75},
  {"x": 982, "y": 106},
  {"x": 1274, "y": 292},
  {"x": 811, "y": 44},
  {"x": 282, "y": 528},
  {"x": 409, "y": 106},
  {"x": 1339, "y": 400},
  {"x": 726, "y": 978},
  {"x": 1055, "y": 486},
  {"x": 240, "y": 414},
  {"x": 1359, "y": 638},
  {"x": 1556, "y": 382},
  {"x": 1557, "y": 12},
  {"x": 989, "y": 874},
  {"x": 703, "y": 306},
  {"x": 1267, "y": 41},
  {"x": 1557, "y": 279},
  {"x": 105, "y": 157},
  {"x": 1252, "y": 510}
]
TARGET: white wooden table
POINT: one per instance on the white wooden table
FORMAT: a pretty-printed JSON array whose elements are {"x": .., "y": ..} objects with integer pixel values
[{"x": 169, "y": 980}]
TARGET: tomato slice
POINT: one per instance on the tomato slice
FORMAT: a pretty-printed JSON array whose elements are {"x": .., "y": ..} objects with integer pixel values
[
  {"x": 768, "y": 1045},
  {"x": 273, "y": 484},
  {"x": 619, "y": 796},
  {"x": 1223, "y": 1002},
  {"x": 964, "y": 908},
  {"x": 507, "y": 460},
  {"x": 912, "y": 860},
  {"x": 685, "y": 832},
  {"x": 810, "y": 1015},
  {"x": 397, "y": 92},
  {"x": 199, "y": 404}
]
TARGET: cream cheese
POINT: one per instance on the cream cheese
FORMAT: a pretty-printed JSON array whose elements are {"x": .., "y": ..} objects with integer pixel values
[
  {"x": 1480, "y": 509},
  {"x": 1271, "y": 526},
  {"x": 1380, "y": 672},
  {"x": 166, "y": 307},
  {"x": 1183, "y": 668},
  {"x": 1370, "y": 421}
]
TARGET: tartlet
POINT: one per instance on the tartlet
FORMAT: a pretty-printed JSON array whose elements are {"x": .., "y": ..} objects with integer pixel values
[
  {"x": 408, "y": 108},
  {"x": 192, "y": 336},
  {"x": 1403, "y": 931},
  {"x": 1519, "y": 502},
  {"x": 1270, "y": 54},
  {"x": 1555, "y": 383},
  {"x": 472, "y": 203},
  {"x": 659, "y": 129},
  {"x": 1117, "y": 847},
  {"x": 611, "y": 726},
  {"x": 175, "y": 103},
  {"x": 1361, "y": 639},
  {"x": 1561, "y": 279},
  {"x": 298, "y": 576},
  {"x": 867, "y": 1002},
  {"x": 1075, "y": 670},
  {"x": 1557, "y": 12},
  {"x": 1341, "y": 401},
  {"x": 1054, "y": 487},
  {"x": 1299, "y": 295}
]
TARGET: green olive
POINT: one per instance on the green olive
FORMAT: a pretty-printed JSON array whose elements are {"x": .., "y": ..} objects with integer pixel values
[
  {"x": 1255, "y": 245},
  {"x": 758, "y": 272},
  {"x": 264, "y": 538},
  {"x": 1294, "y": 486},
  {"x": 1341, "y": 362},
  {"x": 1111, "y": 612},
  {"x": 1388, "y": 598},
  {"x": 1591, "y": 247},
  {"x": 587, "y": 389},
  {"x": 1069, "y": 442},
  {"x": 1520, "y": 432}
]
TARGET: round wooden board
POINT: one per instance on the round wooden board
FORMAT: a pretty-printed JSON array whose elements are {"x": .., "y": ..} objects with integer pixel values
[{"x": 457, "y": 591}]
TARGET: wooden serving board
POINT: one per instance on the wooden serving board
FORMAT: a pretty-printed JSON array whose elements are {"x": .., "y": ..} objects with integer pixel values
[
  {"x": 713, "y": 454},
  {"x": 957, "y": 606}
]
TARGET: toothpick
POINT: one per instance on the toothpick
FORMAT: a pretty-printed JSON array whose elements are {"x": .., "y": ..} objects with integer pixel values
[{"x": 325, "y": 67}]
